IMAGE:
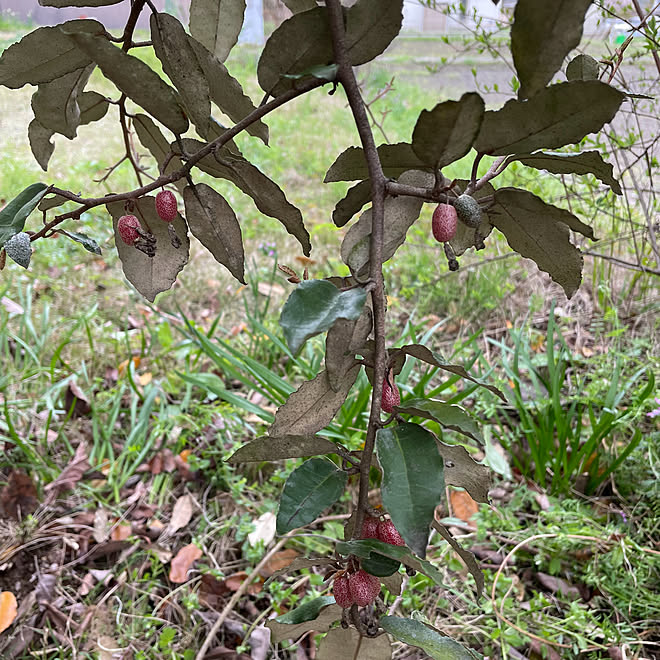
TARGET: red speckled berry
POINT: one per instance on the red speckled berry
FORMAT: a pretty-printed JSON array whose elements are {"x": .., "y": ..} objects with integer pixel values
[
  {"x": 341, "y": 591},
  {"x": 388, "y": 533},
  {"x": 391, "y": 396},
  {"x": 370, "y": 528},
  {"x": 364, "y": 588},
  {"x": 444, "y": 223},
  {"x": 127, "y": 228},
  {"x": 166, "y": 205}
]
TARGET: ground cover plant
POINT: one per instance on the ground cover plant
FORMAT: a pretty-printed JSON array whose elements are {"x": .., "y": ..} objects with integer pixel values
[{"x": 325, "y": 415}]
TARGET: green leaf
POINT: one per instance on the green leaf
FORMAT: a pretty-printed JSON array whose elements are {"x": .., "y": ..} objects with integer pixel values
[
  {"x": 542, "y": 35},
  {"x": 314, "y": 306},
  {"x": 380, "y": 565},
  {"x": 267, "y": 448},
  {"x": 298, "y": 44},
  {"x": 135, "y": 79},
  {"x": 88, "y": 243},
  {"x": 348, "y": 643},
  {"x": 151, "y": 275},
  {"x": 449, "y": 415},
  {"x": 446, "y": 133},
  {"x": 180, "y": 63},
  {"x": 356, "y": 197},
  {"x": 55, "y": 104},
  {"x": 226, "y": 92},
  {"x": 215, "y": 225},
  {"x": 396, "y": 159},
  {"x": 430, "y": 357},
  {"x": 77, "y": 3},
  {"x": 322, "y": 613},
  {"x": 539, "y": 231},
  {"x": 558, "y": 115},
  {"x": 400, "y": 213},
  {"x": 296, "y": 6},
  {"x": 15, "y": 213},
  {"x": 266, "y": 194},
  {"x": 365, "y": 548},
  {"x": 462, "y": 471},
  {"x": 310, "y": 489},
  {"x": 371, "y": 25},
  {"x": 413, "y": 483},
  {"x": 345, "y": 338},
  {"x": 45, "y": 54},
  {"x": 312, "y": 406},
  {"x": 582, "y": 67},
  {"x": 217, "y": 24},
  {"x": 40, "y": 144},
  {"x": 427, "y": 638},
  {"x": 587, "y": 162}
]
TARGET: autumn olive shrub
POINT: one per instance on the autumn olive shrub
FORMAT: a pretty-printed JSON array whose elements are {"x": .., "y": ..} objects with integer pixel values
[{"x": 317, "y": 48}]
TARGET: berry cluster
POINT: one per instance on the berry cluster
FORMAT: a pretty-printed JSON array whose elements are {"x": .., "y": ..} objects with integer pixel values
[{"x": 357, "y": 587}]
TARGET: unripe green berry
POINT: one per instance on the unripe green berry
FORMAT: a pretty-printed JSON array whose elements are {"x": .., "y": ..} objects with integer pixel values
[
  {"x": 18, "y": 248},
  {"x": 468, "y": 211}
]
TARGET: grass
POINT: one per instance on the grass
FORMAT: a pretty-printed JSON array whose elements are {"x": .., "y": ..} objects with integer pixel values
[{"x": 184, "y": 382}]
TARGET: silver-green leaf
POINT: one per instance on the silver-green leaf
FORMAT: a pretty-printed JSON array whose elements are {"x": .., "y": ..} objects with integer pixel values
[{"x": 217, "y": 24}]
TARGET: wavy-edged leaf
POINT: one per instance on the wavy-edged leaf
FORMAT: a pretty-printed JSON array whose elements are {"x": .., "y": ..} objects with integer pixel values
[
  {"x": 371, "y": 547},
  {"x": 344, "y": 340},
  {"x": 217, "y": 24},
  {"x": 40, "y": 143},
  {"x": 542, "y": 35},
  {"x": 540, "y": 232},
  {"x": 582, "y": 67},
  {"x": 467, "y": 556},
  {"x": 180, "y": 63},
  {"x": 312, "y": 406},
  {"x": 400, "y": 213},
  {"x": 413, "y": 483},
  {"x": 558, "y": 115},
  {"x": 430, "y": 357},
  {"x": 88, "y": 243},
  {"x": 356, "y": 197},
  {"x": 55, "y": 104},
  {"x": 298, "y": 44},
  {"x": 317, "y": 614},
  {"x": 449, "y": 415},
  {"x": 45, "y": 54},
  {"x": 396, "y": 159},
  {"x": 446, "y": 133},
  {"x": 348, "y": 643},
  {"x": 135, "y": 79},
  {"x": 427, "y": 638},
  {"x": 371, "y": 25},
  {"x": 269, "y": 448},
  {"x": 15, "y": 213},
  {"x": 310, "y": 489},
  {"x": 587, "y": 162},
  {"x": 462, "y": 471},
  {"x": 314, "y": 306},
  {"x": 214, "y": 224},
  {"x": 151, "y": 275},
  {"x": 266, "y": 194},
  {"x": 226, "y": 92}
]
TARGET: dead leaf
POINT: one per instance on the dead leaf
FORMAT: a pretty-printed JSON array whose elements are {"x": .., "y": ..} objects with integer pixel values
[
  {"x": 19, "y": 497},
  {"x": 182, "y": 563},
  {"x": 75, "y": 398},
  {"x": 8, "y": 609},
  {"x": 234, "y": 582},
  {"x": 71, "y": 474},
  {"x": 278, "y": 561},
  {"x": 212, "y": 591},
  {"x": 463, "y": 506},
  {"x": 181, "y": 513},
  {"x": 123, "y": 366},
  {"x": 101, "y": 526},
  {"x": 121, "y": 531},
  {"x": 264, "y": 529}
]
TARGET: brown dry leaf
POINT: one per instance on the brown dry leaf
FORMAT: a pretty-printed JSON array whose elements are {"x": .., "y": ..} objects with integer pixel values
[
  {"x": 145, "y": 379},
  {"x": 212, "y": 591},
  {"x": 71, "y": 474},
  {"x": 182, "y": 562},
  {"x": 181, "y": 513},
  {"x": 76, "y": 398},
  {"x": 19, "y": 497},
  {"x": 278, "y": 561},
  {"x": 8, "y": 609},
  {"x": 234, "y": 582},
  {"x": 123, "y": 366},
  {"x": 121, "y": 531},
  {"x": 463, "y": 506}
]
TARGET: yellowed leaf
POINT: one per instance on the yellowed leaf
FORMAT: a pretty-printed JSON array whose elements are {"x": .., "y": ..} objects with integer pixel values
[
  {"x": 8, "y": 609},
  {"x": 463, "y": 506}
]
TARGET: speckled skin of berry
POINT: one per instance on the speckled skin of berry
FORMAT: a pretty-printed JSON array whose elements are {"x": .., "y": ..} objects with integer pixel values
[
  {"x": 19, "y": 249},
  {"x": 341, "y": 591},
  {"x": 166, "y": 205},
  {"x": 390, "y": 397},
  {"x": 364, "y": 588},
  {"x": 444, "y": 223},
  {"x": 388, "y": 533},
  {"x": 127, "y": 228},
  {"x": 369, "y": 528},
  {"x": 468, "y": 211}
]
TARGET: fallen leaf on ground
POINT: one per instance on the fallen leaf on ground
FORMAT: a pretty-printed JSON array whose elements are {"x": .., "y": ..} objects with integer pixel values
[
  {"x": 234, "y": 582},
  {"x": 463, "y": 506},
  {"x": 278, "y": 561},
  {"x": 182, "y": 563},
  {"x": 8, "y": 609},
  {"x": 71, "y": 474},
  {"x": 264, "y": 529},
  {"x": 181, "y": 513},
  {"x": 121, "y": 531},
  {"x": 75, "y": 398},
  {"x": 19, "y": 497}
]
